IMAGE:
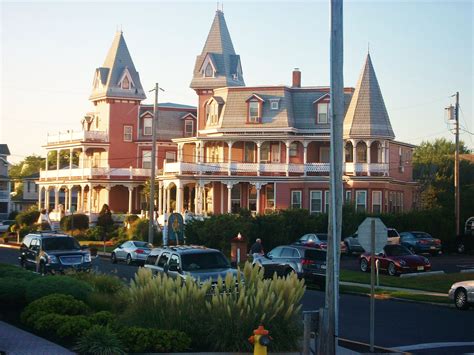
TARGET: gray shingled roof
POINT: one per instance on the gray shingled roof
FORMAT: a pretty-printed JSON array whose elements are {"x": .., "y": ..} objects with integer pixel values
[
  {"x": 170, "y": 120},
  {"x": 118, "y": 59},
  {"x": 4, "y": 149},
  {"x": 221, "y": 51},
  {"x": 367, "y": 115}
]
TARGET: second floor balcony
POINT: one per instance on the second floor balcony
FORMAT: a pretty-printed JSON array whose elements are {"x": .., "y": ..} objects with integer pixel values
[
  {"x": 77, "y": 136},
  {"x": 95, "y": 172}
]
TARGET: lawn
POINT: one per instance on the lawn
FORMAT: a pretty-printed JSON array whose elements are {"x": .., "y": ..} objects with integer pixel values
[{"x": 433, "y": 283}]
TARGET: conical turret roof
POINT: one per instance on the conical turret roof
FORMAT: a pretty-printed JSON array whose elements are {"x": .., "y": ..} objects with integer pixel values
[
  {"x": 117, "y": 77},
  {"x": 367, "y": 115},
  {"x": 219, "y": 52}
]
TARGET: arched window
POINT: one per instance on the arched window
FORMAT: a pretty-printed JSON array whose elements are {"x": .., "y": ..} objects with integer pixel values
[
  {"x": 125, "y": 83},
  {"x": 361, "y": 151},
  {"x": 349, "y": 152},
  {"x": 209, "y": 72},
  {"x": 212, "y": 113},
  {"x": 376, "y": 152}
]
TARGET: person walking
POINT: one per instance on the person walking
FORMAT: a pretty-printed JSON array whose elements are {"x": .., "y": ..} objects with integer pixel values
[{"x": 256, "y": 249}]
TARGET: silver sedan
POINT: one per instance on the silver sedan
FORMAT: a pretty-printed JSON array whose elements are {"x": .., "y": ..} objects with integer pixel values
[
  {"x": 462, "y": 293},
  {"x": 131, "y": 252}
]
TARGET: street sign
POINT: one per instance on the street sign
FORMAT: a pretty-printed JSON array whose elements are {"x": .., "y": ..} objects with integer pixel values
[
  {"x": 176, "y": 228},
  {"x": 363, "y": 234}
]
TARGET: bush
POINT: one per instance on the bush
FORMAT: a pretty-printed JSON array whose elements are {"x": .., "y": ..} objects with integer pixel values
[
  {"x": 61, "y": 326},
  {"x": 139, "y": 231},
  {"x": 102, "y": 283},
  {"x": 129, "y": 219},
  {"x": 139, "y": 340},
  {"x": 12, "y": 292},
  {"x": 14, "y": 272},
  {"x": 48, "y": 285},
  {"x": 95, "y": 233},
  {"x": 27, "y": 218},
  {"x": 103, "y": 318},
  {"x": 81, "y": 222},
  {"x": 99, "y": 340}
]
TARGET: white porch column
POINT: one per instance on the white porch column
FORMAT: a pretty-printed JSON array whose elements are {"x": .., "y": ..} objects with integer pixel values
[
  {"x": 56, "y": 197},
  {"x": 89, "y": 198},
  {"x": 229, "y": 168},
  {"x": 130, "y": 198},
  {"x": 58, "y": 151},
  {"x": 305, "y": 156},
  {"x": 160, "y": 198},
  {"x": 259, "y": 145},
  {"x": 70, "y": 161},
  {"x": 168, "y": 200},
  {"x": 46, "y": 198},
  {"x": 258, "y": 186},
  {"x": 40, "y": 191},
  {"x": 368, "y": 144},
  {"x": 69, "y": 200},
  {"x": 287, "y": 143},
  {"x": 229, "y": 198},
  {"x": 354, "y": 151},
  {"x": 179, "y": 197},
  {"x": 46, "y": 161},
  {"x": 79, "y": 199}
]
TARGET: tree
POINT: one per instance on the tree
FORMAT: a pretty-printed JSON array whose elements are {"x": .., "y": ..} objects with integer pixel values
[
  {"x": 105, "y": 219},
  {"x": 28, "y": 166},
  {"x": 63, "y": 159}
]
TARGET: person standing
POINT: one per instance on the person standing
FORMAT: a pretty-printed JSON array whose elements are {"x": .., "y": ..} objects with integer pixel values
[{"x": 257, "y": 248}]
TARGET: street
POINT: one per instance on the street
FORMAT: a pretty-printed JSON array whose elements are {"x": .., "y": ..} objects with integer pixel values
[{"x": 398, "y": 324}]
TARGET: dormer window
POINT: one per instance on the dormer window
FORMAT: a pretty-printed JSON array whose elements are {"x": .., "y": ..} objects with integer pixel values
[
  {"x": 208, "y": 69},
  {"x": 188, "y": 128},
  {"x": 274, "y": 104},
  {"x": 147, "y": 126},
  {"x": 125, "y": 84},
  {"x": 212, "y": 113},
  {"x": 208, "y": 72},
  {"x": 254, "y": 109},
  {"x": 323, "y": 113}
]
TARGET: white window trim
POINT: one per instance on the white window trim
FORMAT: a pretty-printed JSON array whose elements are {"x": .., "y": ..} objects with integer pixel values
[
  {"x": 186, "y": 133},
  {"x": 255, "y": 119},
  {"x": 146, "y": 153},
  {"x": 126, "y": 134},
  {"x": 327, "y": 113},
  {"x": 295, "y": 151},
  {"x": 300, "y": 193},
  {"x": 365, "y": 199},
  {"x": 274, "y": 104},
  {"x": 207, "y": 61},
  {"x": 311, "y": 201},
  {"x": 326, "y": 201},
  {"x": 374, "y": 193},
  {"x": 267, "y": 187},
  {"x": 126, "y": 74},
  {"x": 144, "y": 126}
]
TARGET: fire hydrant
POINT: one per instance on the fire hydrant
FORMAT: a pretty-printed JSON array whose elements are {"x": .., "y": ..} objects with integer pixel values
[{"x": 260, "y": 340}]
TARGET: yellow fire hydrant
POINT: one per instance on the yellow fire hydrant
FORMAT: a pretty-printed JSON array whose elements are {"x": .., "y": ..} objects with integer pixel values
[{"x": 260, "y": 340}]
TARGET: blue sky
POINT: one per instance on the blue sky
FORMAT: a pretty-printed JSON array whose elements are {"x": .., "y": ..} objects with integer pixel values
[{"x": 422, "y": 53}]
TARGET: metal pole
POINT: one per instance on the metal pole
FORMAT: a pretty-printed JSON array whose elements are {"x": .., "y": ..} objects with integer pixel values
[
  {"x": 457, "y": 196},
  {"x": 330, "y": 331},
  {"x": 151, "y": 213},
  {"x": 372, "y": 284}
]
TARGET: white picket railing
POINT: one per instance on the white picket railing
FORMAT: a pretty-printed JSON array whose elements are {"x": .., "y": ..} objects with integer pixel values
[
  {"x": 91, "y": 172},
  {"x": 69, "y": 136}
]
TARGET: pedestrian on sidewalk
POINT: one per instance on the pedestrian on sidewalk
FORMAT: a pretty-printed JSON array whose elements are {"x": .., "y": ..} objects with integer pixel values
[{"x": 256, "y": 249}]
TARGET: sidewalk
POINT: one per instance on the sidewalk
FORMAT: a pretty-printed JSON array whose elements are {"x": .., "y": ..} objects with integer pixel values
[
  {"x": 15, "y": 341},
  {"x": 388, "y": 288}
]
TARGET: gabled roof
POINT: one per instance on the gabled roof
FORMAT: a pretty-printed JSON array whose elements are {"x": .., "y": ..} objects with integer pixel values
[
  {"x": 220, "y": 50},
  {"x": 4, "y": 149},
  {"x": 367, "y": 115},
  {"x": 116, "y": 65}
]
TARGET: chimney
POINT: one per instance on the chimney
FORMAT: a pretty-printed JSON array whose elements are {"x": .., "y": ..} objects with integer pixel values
[{"x": 296, "y": 78}]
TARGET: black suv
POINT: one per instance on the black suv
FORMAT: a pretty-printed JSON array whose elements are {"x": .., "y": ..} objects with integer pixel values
[
  {"x": 53, "y": 252},
  {"x": 308, "y": 263},
  {"x": 199, "y": 263}
]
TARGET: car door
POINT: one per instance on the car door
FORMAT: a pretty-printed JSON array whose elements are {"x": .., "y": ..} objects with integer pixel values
[
  {"x": 383, "y": 259},
  {"x": 270, "y": 261},
  {"x": 124, "y": 250},
  {"x": 33, "y": 252},
  {"x": 286, "y": 261}
]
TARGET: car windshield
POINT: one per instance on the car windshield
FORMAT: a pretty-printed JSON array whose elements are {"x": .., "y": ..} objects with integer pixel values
[
  {"x": 422, "y": 235},
  {"x": 60, "y": 243},
  {"x": 203, "y": 261},
  {"x": 315, "y": 254},
  {"x": 392, "y": 233},
  {"x": 142, "y": 245},
  {"x": 396, "y": 250}
]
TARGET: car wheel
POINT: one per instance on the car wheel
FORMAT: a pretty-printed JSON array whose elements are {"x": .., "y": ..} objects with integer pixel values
[
  {"x": 129, "y": 259},
  {"x": 392, "y": 270},
  {"x": 461, "y": 248},
  {"x": 364, "y": 265},
  {"x": 113, "y": 258},
  {"x": 460, "y": 299}
]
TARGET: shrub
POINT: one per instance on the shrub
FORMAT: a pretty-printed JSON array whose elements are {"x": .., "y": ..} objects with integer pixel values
[
  {"x": 129, "y": 219},
  {"x": 95, "y": 233},
  {"x": 99, "y": 301},
  {"x": 72, "y": 327},
  {"x": 139, "y": 340},
  {"x": 102, "y": 318},
  {"x": 102, "y": 283},
  {"x": 139, "y": 231},
  {"x": 47, "y": 285},
  {"x": 14, "y": 272},
  {"x": 27, "y": 218},
  {"x": 81, "y": 221},
  {"x": 99, "y": 340},
  {"x": 12, "y": 292}
]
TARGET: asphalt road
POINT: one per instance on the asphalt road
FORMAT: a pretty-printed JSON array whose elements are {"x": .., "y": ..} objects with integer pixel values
[{"x": 417, "y": 328}]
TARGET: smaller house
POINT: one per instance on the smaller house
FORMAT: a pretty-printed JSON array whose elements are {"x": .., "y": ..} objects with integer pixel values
[
  {"x": 4, "y": 182},
  {"x": 29, "y": 195}
]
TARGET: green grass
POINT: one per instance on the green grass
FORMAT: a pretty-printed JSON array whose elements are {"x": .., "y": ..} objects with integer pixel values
[{"x": 433, "y": 283}]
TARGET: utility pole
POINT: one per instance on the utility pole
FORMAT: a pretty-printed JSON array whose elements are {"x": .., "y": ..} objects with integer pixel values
[
  {"x": 330, "y": 332},
  {"x": 457, "y": 195},
  {"x": 154, "y": 126}
]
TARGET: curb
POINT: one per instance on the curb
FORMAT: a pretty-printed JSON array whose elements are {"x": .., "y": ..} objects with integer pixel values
[
  {"x": 399, "y": 299},
  {"x": 427, "y": 273},
  {"x": 389, "y": 288}
]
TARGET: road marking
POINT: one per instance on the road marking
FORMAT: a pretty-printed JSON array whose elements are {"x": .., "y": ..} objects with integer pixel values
[{"x": 433, "y": 345}]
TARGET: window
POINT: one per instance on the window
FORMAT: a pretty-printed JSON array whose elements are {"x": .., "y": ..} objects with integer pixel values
[
  {"x": 127, "y": 133},
  {"x": 125, "y": 83},
  {"x": 163, "y": 259},
  {"x": 209, "y": 72},
  {"x": 27, "y": 186},
  {"x": 265, "y": 152},
  {"x": 254, "y": 116},
  {"x": 146, "y": 159},
  {"x": 348, "y": 196},
  {"x": 324, "y": 154},
  {"x": 274, "y": 104},
  {"x": 36, "y": 188},
  {"x": 349, "y": 158},
  {"x": 361, "y": 201},
  {"x": 148, "y": 126},
  {"x": 401, "y": 168},
  {"x": 188, "y": 128},
  {"x": 294, "y": 149},
  {"x": 249, "y": 152},
  {"x": 235, "y": 198},
  {"x": 315, "y": 201},
  {"x": 296, "y": 199},
  {"x": 327, "y": 198},
  {"x": 212, "y": 113},
  {"x": 270, "y": 196},
  {"x": 170, "y": 156},
  {"x": 361, "y": 152},
  {"x": 376, "y": 201},
  {"x": 323, "y": 113},
  {"x": 252, "y": 198}
]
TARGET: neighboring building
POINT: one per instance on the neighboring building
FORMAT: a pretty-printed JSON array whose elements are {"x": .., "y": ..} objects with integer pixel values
[
  {"x": 266, "y": 148},
  {"x": 4, "y": 182},
  {"x": 29, "y": 197},
  {"x": 110, "y": 158}
]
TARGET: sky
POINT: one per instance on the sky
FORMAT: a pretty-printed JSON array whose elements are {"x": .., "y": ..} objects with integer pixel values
[{"x": 422, "y": 53}]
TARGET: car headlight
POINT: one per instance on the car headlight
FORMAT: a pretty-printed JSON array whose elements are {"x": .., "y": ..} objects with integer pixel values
[
  {"x": 87, "y": 258},
  {"x": 402, "y": 262},
  {"x": 426, "y": 260},
  {"x": 52, "y": 259}
]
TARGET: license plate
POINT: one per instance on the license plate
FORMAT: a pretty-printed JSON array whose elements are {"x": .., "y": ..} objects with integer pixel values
[
  {"x": 420, "y": 268},
  {"x": 433, "y": 247}
]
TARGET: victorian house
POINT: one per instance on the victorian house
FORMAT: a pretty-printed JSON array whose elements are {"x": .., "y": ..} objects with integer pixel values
[
  {"x": 266, "y": 148},
  {"x": 108, "y": 160}
]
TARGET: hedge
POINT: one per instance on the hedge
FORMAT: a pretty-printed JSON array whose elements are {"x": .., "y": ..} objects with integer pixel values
[
  {"x": 27, "y": 218},
  {"x": 81, "y": 221},
  {"x": 65, "y": 285}
]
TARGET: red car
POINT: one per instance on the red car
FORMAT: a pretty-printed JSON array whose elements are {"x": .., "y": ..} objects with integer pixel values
[{"x": 396, "y": 259}]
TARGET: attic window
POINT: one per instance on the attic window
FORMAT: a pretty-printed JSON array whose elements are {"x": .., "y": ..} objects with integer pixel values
[
  {"x": 209, "y": 71},
  {"x": 126, "y": 83},
  {"x": 274, "y": 104},
  {"x": 323, "y": 109},
  {"x": 254, "y": 114},
  {"x": 212, "y": 113}
]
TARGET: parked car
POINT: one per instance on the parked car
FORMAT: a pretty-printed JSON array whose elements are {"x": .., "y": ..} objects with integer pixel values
[
  {"x": 318, "y": 241},
  {"x": 420, "y": 242},
  {"x": 465, "y": 241},
  {"x": 396, "y": 259},
  {"x": 353, "y": 245},
  {"x": 49, "y": 252},
  {"x": 189, "y": 262},
  {"x": 308, "y": 263},
  {"x": 462, "y": 293},
  {"x": 131, "y": 252},
  {"x": 5, "y": 225}
]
